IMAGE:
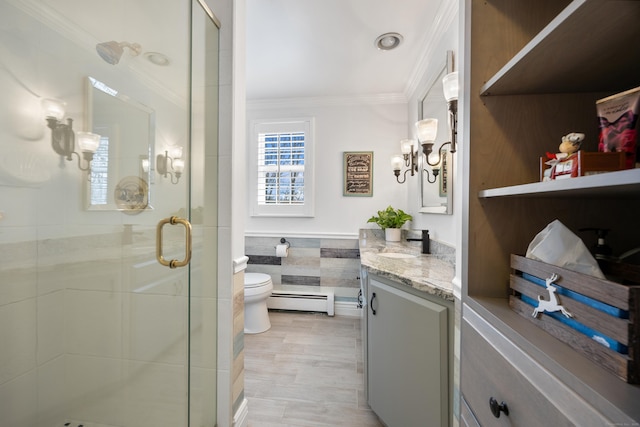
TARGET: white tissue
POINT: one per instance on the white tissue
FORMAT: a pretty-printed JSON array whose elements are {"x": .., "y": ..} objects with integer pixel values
[
  {"x": 557, "y": 245},
  {"x": 282, "y": 251}
]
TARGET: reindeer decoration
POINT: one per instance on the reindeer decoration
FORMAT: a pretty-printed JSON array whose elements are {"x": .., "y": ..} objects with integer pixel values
[{"x": 552, "y": 304}]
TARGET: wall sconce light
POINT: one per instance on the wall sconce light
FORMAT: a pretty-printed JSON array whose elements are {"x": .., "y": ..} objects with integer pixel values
[
  {"x": 171, "y": 163},
  {"x": 427, "y": 130},
  {"x": 63, "y": 138}
]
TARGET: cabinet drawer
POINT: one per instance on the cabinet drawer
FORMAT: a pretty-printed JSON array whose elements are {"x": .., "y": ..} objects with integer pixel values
[
  {"x": 493, "y": 367},
  {"x": 467, "y": 419}
]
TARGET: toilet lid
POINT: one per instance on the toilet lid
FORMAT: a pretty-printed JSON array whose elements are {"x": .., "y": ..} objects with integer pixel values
[{"x": 251, "y": 280}]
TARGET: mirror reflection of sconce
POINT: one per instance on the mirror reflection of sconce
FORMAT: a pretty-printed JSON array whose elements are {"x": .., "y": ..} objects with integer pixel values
[
  {"x": 171, "y": 163},
  {"x": 450, "y": 88},
  {"x": 427, "y": 130},
  {"x": 63, "y": 138},
  {"x": 409, "y": 159}
]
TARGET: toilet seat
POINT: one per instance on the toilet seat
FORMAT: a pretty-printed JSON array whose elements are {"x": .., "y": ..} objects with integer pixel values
[{"x": 254, "y": 280}]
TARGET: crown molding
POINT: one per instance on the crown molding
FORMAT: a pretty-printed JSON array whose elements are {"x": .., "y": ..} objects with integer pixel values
[
  {"x": 445, "y": 17},
  {"x": 328, "y": 101}
]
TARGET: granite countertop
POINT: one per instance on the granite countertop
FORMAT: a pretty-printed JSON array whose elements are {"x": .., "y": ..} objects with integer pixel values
[{"x": 432, "y": 274}]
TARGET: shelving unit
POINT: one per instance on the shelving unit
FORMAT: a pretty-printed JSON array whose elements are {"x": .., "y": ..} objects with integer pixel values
[{"x": 533, "y": 72}]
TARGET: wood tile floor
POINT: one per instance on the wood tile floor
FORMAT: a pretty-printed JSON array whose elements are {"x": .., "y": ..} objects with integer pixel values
[{"x": 306, "y": 371}]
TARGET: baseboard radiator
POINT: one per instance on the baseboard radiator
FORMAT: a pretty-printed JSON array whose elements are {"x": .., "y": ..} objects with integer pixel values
[{"x": 302, "y": 301}]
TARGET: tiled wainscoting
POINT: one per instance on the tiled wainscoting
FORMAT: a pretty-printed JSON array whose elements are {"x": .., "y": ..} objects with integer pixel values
[{"x": 312, "y": 264}]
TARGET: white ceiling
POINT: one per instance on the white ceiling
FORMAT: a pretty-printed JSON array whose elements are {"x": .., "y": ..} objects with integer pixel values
[
  {"x": 318, "y": 48},
  {"x": 295, "y": 48}
]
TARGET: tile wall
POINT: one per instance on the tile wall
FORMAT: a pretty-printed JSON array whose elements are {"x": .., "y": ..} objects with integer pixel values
[{"x": 319, "y": 264}]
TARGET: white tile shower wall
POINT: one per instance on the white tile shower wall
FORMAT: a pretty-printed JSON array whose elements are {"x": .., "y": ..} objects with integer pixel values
[
  {"x": 75, "y": 329},
  {"x": 19, "y": 400},
  {"x": 51, "y": 320},
  {"x": 18, "y": 335},
  {"x": 312, "y": 263}
]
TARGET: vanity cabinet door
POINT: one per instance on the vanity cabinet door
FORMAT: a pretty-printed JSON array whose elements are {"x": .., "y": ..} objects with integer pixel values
[{"x": 407, "y": 351}]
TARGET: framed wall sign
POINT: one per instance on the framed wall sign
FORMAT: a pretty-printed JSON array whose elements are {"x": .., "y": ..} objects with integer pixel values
[{"x": 358, "y": 173}]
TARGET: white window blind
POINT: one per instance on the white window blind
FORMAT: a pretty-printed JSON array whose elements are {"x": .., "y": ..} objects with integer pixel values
[
  {"x": 283, "y": 171},
  {"x": 100, "y": 174},
  {"x": 281, "y": 168}
]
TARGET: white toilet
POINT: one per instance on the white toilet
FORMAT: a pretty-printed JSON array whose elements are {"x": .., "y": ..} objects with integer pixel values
[{"x": 257, "y": 288}]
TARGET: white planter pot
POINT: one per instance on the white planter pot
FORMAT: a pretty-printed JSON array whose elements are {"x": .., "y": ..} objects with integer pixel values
[{"x": 392, "y": 234}]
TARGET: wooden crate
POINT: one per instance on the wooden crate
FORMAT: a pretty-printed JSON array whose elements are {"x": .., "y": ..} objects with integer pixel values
[
  {"x": 585, "y": 162},
  {"x": 599, "y": 308}
]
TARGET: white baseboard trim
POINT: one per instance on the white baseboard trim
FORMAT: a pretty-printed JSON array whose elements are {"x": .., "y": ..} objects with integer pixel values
[
  {"x": 241, "y": 417},
  {"x": 347, "y": 309}
]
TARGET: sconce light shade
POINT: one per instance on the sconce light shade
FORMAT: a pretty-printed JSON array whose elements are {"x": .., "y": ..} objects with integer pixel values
[
  {"x": 53, "y": 108},
  {"x": 427, "y": 130},
  {"x": 396, "y": 162},
  {"x": 87, "y": 141},
  {"x": 175, "y": 152},
  {"x": 178, "y": 166},
  {"x": 450, "y": 86},
  {"x": 406, "y": 146}
]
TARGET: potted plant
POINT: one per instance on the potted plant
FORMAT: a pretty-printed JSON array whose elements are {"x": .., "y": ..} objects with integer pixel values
[{"x": 391, "y": 220}]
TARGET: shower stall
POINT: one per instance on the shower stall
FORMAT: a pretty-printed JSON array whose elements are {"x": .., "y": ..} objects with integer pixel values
[{"x": 108, "y": 135}]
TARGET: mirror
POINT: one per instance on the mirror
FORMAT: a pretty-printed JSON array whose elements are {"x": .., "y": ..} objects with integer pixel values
[
  {"x": 123, "y": 168},
  {"x": 436, "y": 193}
]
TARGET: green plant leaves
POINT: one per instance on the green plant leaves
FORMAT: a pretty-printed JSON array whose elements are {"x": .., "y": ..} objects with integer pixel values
[{"x": 391, "y": 218}]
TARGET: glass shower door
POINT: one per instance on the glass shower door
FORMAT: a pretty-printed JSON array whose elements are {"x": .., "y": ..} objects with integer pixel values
[
  {"x": 94, "y": 330},
  {"x": 203, "y": 201}
]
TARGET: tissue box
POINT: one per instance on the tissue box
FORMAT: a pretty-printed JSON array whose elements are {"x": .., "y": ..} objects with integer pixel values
[{"x": 604, "y": 322}]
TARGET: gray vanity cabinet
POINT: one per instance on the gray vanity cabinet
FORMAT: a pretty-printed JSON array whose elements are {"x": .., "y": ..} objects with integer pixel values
[{"x": 407, "y": 348}]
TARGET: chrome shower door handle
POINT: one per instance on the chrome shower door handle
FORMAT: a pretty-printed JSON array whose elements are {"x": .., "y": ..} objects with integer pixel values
[{"x": 174, "y": 263}]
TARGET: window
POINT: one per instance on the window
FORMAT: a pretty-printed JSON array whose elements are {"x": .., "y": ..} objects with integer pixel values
[
  {"x": 281, "y": 168},
  {"x": 99, "y": 177}
]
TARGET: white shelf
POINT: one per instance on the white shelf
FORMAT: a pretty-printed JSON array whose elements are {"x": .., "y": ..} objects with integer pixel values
[
  {"x": 611, "y": 184},
  {"x": 554, "y": 61}
]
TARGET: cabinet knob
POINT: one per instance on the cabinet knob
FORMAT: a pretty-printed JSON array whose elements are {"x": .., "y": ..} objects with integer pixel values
[{"x": 496, "y": 407}]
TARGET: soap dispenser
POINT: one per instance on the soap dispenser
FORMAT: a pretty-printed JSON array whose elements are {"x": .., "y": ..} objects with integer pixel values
[{"x": 601, "y": 250}]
